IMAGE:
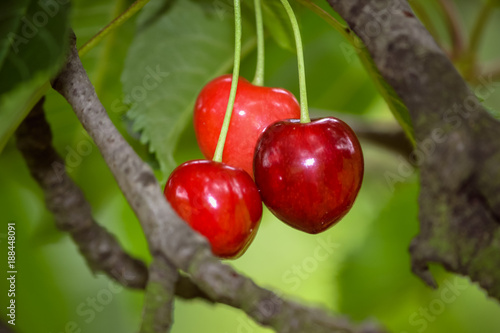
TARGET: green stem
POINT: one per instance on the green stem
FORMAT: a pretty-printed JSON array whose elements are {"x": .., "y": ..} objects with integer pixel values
[
  {"x": 259, "y": 71},
  {"x": 117, "y": 22},
  {"x": 108, "y": 52},
  {"x": 304, "y": 111},
  {"x": 234, "y": 83}
]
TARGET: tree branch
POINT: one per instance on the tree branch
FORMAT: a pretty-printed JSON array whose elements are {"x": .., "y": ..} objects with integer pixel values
[
  {"x": 171, "y": 237},
  {"x": 457, "y": 150},
  {"x": 159, "y": 298},
  {"x": 72, "y": 211}
]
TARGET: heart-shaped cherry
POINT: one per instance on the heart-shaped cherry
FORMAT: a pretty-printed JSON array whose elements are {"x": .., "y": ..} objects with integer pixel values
[
  {"x": 309, "y": 174},
  {"x": 255, "y": 108},
  {"x": 219, "y": 201}
]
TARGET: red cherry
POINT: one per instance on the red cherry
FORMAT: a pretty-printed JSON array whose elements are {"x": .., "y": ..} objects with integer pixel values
[
  {"x": 255, "y": 108},
  {"x": 309, "y": 174},
  {"x": 220, "y": 202}
]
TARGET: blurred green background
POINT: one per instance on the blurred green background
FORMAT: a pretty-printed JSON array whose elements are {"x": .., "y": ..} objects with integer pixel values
[{"x": 360, "y": 268}]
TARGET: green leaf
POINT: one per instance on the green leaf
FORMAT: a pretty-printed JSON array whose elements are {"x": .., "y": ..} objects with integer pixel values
[
  {"x": 34, "y": 37},
  {"x": 356, "y": 47},
  {"x": 10, "y": 18},
  {"x": 170, "y": 60}
]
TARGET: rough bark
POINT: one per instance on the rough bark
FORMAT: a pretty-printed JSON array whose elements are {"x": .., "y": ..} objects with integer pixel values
[{"x": 458, "y": 150}]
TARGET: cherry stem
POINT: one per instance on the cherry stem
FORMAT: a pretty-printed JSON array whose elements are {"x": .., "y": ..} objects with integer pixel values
[
  {"x": 304, "y": 110},
  {"x": 234, "y": 83},
  {"x": 113, "y": 25},
  {"x": 259, "y": 71}
]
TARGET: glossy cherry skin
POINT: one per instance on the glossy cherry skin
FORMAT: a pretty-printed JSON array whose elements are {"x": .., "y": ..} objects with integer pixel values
[
  {"x": 255, "y": 108},
  {"x": 219, "y": 201},
  {"x": 309, "y": 174}
]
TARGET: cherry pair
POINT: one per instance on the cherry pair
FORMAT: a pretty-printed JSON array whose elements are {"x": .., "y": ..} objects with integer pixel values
[{"x": 308, "y": 174}]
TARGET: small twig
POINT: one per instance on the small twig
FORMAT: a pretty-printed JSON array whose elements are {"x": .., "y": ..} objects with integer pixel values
[
  {"x": 171, "y": 237},
  {"x": 159, "y": 298},
  {"x": 455, "y": 28},
  {"x": 394, "y": 139}
]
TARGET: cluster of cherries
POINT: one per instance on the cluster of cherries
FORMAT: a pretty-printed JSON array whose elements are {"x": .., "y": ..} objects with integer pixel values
[{"x": 307, "y": 173}]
